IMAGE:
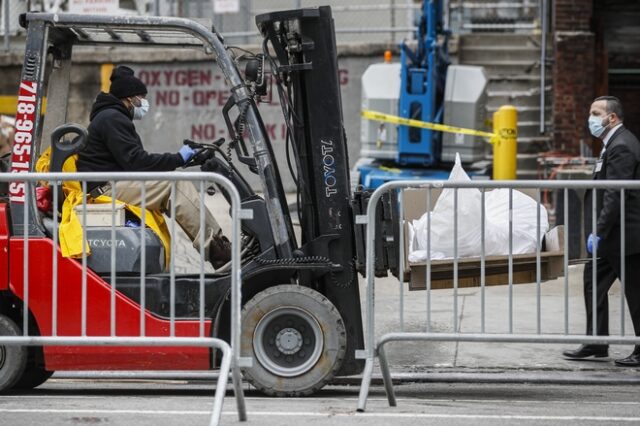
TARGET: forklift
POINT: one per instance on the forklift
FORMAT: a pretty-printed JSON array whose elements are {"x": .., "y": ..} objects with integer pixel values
[{"x": 301, "y": 317}]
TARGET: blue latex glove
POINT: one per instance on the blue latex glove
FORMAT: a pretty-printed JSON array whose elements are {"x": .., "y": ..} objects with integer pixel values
[
  {"x": 592, "y": 242},
  {"x": 186, "y": 152}
]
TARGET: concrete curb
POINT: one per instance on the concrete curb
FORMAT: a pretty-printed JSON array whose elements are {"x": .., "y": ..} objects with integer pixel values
[
  {"x": 537, "y": 377},
  {"x": 608, "y": 377}
]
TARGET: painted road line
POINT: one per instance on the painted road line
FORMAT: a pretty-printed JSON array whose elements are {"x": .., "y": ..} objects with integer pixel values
[
  {"x": 330, "y": 415},
  {"x": 321, "y": 399}
]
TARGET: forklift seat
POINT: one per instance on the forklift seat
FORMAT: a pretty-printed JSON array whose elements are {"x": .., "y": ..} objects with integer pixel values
[
  {"x": 62, "y": 149},
  {"x": 128, "y": 240}
]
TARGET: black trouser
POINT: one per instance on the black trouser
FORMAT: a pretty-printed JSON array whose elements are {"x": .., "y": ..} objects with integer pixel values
[{"x": 608, "y": 270}]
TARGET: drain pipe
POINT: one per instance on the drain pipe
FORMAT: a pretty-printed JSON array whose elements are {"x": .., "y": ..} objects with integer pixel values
[
  {"x": 446, "y": 11},
  {"x": 7, "y": 24},
  {"x": 543, "y": 61}
]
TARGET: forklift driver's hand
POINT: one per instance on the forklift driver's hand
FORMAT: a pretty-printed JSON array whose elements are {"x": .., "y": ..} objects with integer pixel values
[{"x": 186, "y": 152}]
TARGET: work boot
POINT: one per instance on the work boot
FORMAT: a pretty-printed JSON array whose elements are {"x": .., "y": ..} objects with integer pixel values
[{"x": 219, "y": 251}]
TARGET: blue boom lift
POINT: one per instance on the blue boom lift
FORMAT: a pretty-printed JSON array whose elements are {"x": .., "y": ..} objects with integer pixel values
[{"x": 423, "y": 73}]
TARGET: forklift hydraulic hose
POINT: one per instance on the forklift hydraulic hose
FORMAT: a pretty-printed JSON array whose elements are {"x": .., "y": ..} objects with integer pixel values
[{"x": 294, "y": 260}]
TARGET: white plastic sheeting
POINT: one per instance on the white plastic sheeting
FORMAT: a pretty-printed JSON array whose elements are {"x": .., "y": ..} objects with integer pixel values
[{"x": 469, "y": 223}]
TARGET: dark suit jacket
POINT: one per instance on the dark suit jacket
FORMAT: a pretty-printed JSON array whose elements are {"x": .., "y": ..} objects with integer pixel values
[{"x": 620, "y": 161}]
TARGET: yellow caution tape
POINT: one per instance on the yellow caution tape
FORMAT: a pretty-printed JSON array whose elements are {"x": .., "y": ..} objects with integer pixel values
[
  {"x": 389, "y": 169},
  {"x": 394, "y": 119}
]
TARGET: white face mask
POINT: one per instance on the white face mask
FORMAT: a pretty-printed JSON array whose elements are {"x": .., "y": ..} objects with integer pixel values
[
  {"x": 140, "y": 111},
  {"x": 595, "y": 126}
]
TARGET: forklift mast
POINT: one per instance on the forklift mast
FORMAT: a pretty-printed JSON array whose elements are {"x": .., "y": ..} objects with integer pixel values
[{"x": 307, "y": 75}]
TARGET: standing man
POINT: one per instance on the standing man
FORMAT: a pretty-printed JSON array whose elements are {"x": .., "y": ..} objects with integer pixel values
[
  {"x": 115, "y": 146},
  {"x": 619, "y": 160}
]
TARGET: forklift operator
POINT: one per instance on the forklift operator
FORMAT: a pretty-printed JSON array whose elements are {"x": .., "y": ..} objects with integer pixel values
[{"x": 115, "y": 146}]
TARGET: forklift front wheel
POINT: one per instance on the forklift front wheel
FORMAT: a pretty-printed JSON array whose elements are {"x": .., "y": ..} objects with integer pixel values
[
  {"x": 34, "y": 375},
  {"x": 296, "y": 338},
  {"x": 13, "y": 359}
]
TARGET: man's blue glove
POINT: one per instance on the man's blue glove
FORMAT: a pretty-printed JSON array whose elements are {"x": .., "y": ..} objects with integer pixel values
[
  {"x": 592, "y": 242},
  {"x": 186, "y": 152}
]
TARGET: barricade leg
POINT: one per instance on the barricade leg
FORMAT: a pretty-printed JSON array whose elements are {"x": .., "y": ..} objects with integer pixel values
[
  {"x": 221, "y": 385},
  {"x": 386, "y": 376},
  {"x": 239, "y": 393},
  {"x": 364, "y": 386}
]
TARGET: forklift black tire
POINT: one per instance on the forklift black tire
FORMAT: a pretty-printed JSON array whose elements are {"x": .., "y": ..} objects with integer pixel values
[
  {"x": 297, "y": 340},
  {"x": 13, "y": 359}
]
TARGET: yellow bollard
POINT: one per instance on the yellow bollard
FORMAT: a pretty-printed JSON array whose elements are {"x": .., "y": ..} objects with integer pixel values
[{"x": 505, "y": 150}]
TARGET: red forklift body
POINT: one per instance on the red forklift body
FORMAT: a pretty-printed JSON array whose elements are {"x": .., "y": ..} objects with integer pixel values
[
  {"x": 98, "y": 308},
  {"x": 4, "y": 247}
]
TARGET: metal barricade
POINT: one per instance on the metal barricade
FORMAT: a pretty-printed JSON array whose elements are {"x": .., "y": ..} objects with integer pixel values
[
  {"x": 375, "y": 344},
  {"x": 155, "y": 330}
]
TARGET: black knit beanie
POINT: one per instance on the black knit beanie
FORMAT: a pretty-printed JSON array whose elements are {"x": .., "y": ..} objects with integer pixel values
[{"x": 125, "y": 84}]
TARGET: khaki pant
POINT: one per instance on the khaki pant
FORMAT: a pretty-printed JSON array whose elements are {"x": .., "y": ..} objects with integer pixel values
[{"x": 187, "y": 206}]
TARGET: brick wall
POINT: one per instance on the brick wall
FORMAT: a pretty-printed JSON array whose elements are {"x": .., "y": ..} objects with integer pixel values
[
  {"x": 573, "y": 73},
  {"x": 574, "y": 89},
  {"x": 572, "y": 15}
]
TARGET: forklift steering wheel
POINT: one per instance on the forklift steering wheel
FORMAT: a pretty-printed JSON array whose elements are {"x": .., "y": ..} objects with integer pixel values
[
  {"x": 63, "y": 147},
  {"x": 199, "y": 158},
  {"x": 66, "y": 145}
]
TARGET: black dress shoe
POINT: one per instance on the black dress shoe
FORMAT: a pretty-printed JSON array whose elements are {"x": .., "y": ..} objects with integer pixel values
[
  {"x": 586, "y": 351},
  {"x": 632, "y": 360}
]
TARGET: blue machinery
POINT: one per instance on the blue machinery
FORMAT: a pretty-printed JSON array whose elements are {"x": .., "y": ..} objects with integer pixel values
[{"x": 423, "y": 74}]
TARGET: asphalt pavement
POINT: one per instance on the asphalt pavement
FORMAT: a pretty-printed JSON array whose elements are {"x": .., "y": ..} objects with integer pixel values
[
  {"x": 141, "y": 402},
  {"x": 525, "y": 317}
]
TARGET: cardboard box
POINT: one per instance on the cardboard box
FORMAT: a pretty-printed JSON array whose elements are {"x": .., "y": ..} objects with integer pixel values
[
  {"x": 496, "y": 267},
  {"x": 102, "y": 215}
]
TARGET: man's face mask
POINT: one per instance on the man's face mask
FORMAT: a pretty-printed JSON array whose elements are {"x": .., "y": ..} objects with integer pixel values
[
  {"x": 139, "y": 111},
  {"x": 596, "y": 126}
]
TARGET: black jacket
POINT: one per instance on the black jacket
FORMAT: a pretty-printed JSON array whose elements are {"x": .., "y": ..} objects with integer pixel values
[
  {"x": 114, "y": 144},
  {"x": 620, "y": 161}
]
